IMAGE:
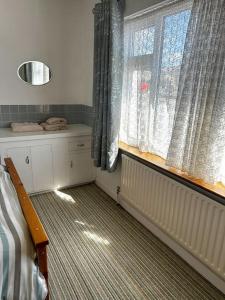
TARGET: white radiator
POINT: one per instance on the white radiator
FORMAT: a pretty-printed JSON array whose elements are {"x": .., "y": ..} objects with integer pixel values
[{"x": 196, "y": 222}]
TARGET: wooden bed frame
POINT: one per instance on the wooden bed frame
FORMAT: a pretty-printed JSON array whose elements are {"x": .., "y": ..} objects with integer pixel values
[{"x": 38, "y": 234}]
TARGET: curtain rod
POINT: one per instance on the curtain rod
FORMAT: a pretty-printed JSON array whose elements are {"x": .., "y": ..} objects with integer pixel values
[{"x": 152, "y": 8}]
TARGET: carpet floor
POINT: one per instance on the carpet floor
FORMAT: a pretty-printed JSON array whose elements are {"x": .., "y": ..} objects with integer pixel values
[{"x": 98, "y": 251}]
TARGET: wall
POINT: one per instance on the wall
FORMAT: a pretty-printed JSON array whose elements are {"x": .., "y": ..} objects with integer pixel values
[
  {"x": 79, "y": 50},
  {"x": 59, "y": 33},
  {"x": 132, "y": 6},
  {"x": 109, "y": 181}
]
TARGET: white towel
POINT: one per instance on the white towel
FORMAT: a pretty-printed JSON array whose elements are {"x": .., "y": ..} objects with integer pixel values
[
  {"x": 26, "y": 127},
  {"x": 55, "y": 120},
  {"x": 53, "y": 127}
]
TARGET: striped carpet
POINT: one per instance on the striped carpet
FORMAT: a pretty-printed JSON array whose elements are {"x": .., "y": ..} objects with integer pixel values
[{"x": 98, "y": 251}]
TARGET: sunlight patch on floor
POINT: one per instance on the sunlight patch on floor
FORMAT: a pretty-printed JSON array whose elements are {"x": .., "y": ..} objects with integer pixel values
[
  {"x": 96, "y": 238},
  {"x": 84, "y": 224},
  {"x": 79, "y": 222},
  {"x": 64, "y": 196}
]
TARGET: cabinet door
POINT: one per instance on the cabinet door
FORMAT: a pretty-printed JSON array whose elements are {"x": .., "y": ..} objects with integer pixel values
[
  {"x": 81, "y": 167},
  {"x": 61, "y": 166},
  {"x": 42, "y": 167},
  {"x": 21, "y": 158}
]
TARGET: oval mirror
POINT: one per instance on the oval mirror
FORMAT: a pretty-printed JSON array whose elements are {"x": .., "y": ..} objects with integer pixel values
[{"x": 34, "y": 72}]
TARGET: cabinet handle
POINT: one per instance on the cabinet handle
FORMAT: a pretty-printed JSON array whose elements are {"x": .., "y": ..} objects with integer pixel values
[
  {"x": 71, "y": 164},
  {"x": 27, "y": 160},
  {"x": 80, "y": 145}
]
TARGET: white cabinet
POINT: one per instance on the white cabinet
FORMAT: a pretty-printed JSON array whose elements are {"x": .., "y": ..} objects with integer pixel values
[
  {"x": 21, "y": 157},
  {"x": 79, "y": 143},
  {"x": 61, "y": 165},
  {"x": 34, "y": 165},
  {"x": 50, "y": 161},
  {"x": 42, "y": 167},
  {"x": 81, "y": 167}
]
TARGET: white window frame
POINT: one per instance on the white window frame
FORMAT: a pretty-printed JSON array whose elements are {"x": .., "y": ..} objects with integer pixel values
[{"x": 159, "y": 12}]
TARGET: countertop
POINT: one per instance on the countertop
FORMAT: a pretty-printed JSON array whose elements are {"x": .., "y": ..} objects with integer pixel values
[{"x": 7, "y": 135}]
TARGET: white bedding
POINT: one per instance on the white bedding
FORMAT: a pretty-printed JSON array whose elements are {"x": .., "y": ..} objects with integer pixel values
[{"x": 20, "y": 278}]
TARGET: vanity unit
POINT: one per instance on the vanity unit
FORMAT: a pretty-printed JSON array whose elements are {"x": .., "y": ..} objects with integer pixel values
[{"x": 50, "y": 160}]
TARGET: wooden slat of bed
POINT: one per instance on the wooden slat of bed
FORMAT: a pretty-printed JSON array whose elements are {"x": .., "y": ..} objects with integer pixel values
[{"x": 37, "y": 231}]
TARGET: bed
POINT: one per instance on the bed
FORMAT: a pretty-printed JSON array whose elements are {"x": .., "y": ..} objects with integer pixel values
[{"x": 23, "y": 242}]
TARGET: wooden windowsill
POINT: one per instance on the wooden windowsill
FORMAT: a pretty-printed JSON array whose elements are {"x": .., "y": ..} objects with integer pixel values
[{"x": 212, "y": 189}]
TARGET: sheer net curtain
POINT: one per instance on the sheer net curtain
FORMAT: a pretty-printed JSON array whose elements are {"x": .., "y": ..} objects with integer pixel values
[
  {"x": 154, "y": 47},
  {"x": 198, "y": 139}
]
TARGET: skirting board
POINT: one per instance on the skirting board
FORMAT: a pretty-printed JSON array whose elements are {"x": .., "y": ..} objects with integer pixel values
[{"x": 190, "y": 259}]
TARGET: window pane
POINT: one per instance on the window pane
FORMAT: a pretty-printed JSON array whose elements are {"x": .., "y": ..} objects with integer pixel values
[
  {"x": 175, "y": 29},
  {"x": 174, "y": 35},
  {"x": 144, "y": 41}
]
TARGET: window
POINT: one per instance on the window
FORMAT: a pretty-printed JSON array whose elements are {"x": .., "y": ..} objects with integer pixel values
[{"x": 154, "y": 46}]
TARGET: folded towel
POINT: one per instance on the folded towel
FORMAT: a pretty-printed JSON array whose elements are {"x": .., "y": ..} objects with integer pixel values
[
  {"x": 54, "y": 120},
  {"x": 53, "y": 127},
  {"x": 26, "y": 127}
]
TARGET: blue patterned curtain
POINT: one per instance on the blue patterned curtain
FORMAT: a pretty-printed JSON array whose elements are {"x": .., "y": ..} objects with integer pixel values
[
  {"x": 198, "y": 139},
  {"x": 107, "y": 86}
]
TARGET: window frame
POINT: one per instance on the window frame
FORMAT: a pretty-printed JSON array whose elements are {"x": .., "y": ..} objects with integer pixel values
[{"x": 157, "y": 21}]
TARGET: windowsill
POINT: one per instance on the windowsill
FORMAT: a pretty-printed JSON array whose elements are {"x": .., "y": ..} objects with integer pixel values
[{"x": 217, "y": 191}]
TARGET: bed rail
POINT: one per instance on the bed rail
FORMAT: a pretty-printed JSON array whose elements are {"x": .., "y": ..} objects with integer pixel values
[{"x": 37, "y": 231}]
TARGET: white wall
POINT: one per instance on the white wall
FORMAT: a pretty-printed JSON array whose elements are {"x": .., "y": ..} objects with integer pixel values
[
  {"x": 133, "y": 6},
  {"x": 79, "y": 51},
  {"x": 57, "y": 32},
  {"x": 109, "y": 181}
]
